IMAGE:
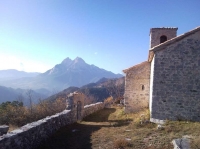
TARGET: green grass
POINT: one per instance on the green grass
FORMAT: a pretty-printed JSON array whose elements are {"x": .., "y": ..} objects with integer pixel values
[{"x": 111, "y": 128}]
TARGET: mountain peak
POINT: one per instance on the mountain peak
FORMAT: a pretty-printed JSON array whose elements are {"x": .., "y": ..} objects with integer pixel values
[
  {"x": 66, "y": 61},
  {"x": 78, "y": 60}
]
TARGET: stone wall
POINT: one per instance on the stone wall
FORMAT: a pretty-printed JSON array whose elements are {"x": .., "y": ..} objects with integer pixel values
[
  {"x": 176, "y": 82},
  {"x": 32, "y": 134},
  {"x": 151, "y": 84},
  {"x": 137, "y": 87},
  {"x": 156, "y": 33},
  {"x": 75, "y": 103},
  {"x": 89, "y": 109}
]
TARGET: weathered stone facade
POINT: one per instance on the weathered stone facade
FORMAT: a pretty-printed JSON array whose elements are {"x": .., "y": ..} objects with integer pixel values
[
  {"x": 176, "y": 79},
  {"x": 157, "y": 33},
  {"x": 75, "y": 103},
  {"x": 137, "y": 87},
  {"x": 32, "y": 134},
  {"x": 174, "y": 84}
]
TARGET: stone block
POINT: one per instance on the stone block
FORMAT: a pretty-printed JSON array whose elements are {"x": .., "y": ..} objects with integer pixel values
[
  {"x": 3, "y": 129},
  {"x": 182, "y": 143}
]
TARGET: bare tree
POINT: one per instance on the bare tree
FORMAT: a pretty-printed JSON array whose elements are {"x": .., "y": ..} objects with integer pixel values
[
  {"x": 46, "y": 106},
  {"x": 29, "y": 95},
  {"x": 20, "y": 98},
  {"x": 90, "y": 98},
  {"x": 116, "y": 89}
]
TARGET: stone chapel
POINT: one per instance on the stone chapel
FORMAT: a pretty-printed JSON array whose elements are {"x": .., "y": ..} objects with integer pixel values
[{"x": 169, "y": 81}]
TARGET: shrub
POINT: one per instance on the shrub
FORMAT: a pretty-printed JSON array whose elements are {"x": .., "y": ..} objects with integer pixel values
[
  {"x": 121, "y": 144},
  {"x": 14, "y": 113}
]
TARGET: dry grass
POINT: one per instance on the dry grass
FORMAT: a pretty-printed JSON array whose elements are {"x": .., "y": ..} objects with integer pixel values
[
  {"x": 195, "y": 143},
  {"x": 121, "y": 144},
  {"x": 17, "y": 116},
  {"x": 111, "y": 128},
  {"x": 12, "y": 127}
]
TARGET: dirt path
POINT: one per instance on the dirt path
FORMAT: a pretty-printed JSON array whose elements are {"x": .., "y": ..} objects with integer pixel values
[
  {"x": 112, "y": 128},
  {"x": 78, "y": 135}
]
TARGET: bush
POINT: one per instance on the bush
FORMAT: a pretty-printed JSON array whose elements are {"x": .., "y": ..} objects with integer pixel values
[
  {"x": 14, "y": 113},
  {"x": 121, "y": 144}
]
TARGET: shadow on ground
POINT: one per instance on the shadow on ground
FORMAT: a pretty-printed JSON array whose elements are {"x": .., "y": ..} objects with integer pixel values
[
  {"x": 78, "y": 135},
  {"x": 100, "y": 116}
]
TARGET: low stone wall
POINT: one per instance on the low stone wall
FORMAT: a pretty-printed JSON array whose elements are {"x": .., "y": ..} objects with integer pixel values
[
  {"x": 32, "y": 134},
  {"x": 89, "y": 109}
]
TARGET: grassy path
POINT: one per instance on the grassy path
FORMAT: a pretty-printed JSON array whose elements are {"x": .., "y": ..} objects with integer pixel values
[{"x": 111, "y": 128}]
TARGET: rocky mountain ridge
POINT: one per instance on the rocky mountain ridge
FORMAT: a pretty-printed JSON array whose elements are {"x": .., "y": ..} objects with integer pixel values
[
  {"x": 100, "y": 90},
  {"x": 68, "y": 73}
]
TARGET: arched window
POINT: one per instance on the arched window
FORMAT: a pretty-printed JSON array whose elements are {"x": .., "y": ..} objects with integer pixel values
[{"x": 163, "y": 38}]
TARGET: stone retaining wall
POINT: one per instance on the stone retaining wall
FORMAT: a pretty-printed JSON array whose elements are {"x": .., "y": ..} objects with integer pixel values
[{"x": 32, "y": 134}]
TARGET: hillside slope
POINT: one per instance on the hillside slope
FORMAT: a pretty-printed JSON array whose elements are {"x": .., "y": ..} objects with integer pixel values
[
  {"x": 10, "y": 94},
  {"x": 100, "y": 90}
]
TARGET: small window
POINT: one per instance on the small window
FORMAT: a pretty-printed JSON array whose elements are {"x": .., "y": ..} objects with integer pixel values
[
  {"x": 142, "y": 87},
  {"x": 163, "y": 39}
]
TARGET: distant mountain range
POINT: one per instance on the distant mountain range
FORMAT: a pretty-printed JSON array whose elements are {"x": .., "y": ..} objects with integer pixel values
[
  {"x": 100, "y": 90},
  {"x": 14, "y": 83},
  {"x": 11, "y": 74},
  {"x": 68, "y": 73},
  {"x": 10, "y": 94}
]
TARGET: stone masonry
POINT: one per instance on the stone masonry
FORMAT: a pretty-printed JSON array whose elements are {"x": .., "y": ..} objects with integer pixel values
[
  {"x": 137, "y": 87},
  {"x": 75, "y": 103},
  {"x": 170, "y": 80},
  {"x": 176, "y": 79},
  {"x": 32, "y": 134},
  {"x": 156, "y": 33}
]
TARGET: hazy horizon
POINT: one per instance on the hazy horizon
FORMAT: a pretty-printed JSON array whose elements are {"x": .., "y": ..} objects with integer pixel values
[{"x": 113, "y": 35}]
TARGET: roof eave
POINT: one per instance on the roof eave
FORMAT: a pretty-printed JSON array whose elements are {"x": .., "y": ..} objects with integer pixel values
[
  {"x": 135, "y": 66},
  {"x": 151, "y": 55}
]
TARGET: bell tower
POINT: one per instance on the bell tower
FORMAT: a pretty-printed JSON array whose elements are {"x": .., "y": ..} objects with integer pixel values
[{"x": 160, "y": 35}]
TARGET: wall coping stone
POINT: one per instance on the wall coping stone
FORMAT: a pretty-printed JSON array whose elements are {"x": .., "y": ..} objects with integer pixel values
[
  {"x": 86, "y": 106},
  {"x": 157, "y": 121},
  {"x": 41, "y": 129}
]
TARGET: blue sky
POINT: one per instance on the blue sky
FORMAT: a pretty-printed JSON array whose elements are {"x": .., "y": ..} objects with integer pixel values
[{"x": 111, "y": 34}]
